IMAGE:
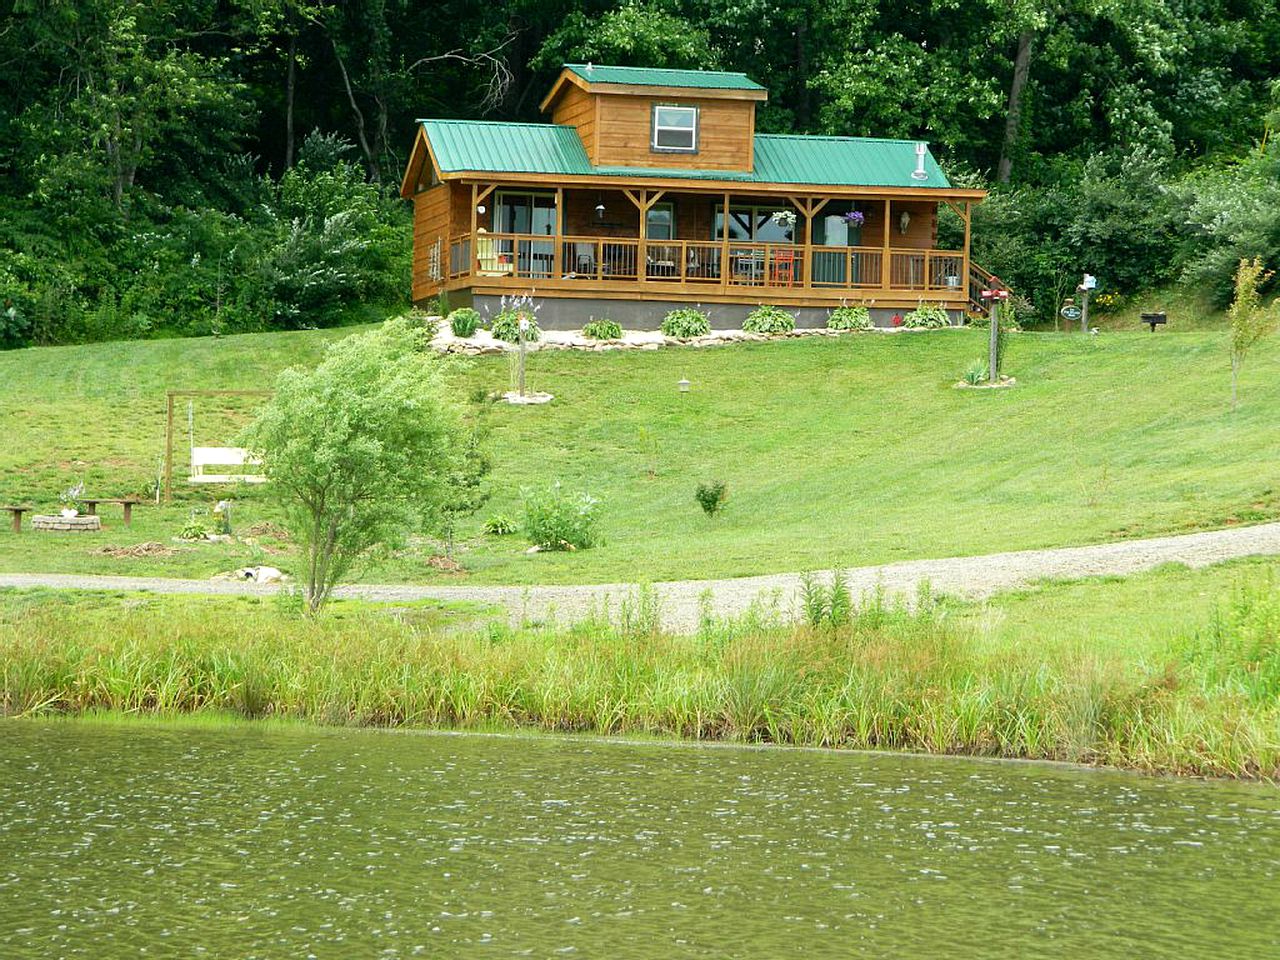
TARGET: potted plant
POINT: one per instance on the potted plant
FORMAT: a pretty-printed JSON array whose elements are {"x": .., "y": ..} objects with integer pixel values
[{"x": 69, "y": 500}]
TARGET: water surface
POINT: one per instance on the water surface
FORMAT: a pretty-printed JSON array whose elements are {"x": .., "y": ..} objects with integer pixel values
[{"x": 270, "y": 843}]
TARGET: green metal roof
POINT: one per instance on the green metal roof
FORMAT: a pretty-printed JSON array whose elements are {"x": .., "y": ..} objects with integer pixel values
[
  {"x": 483, "y": 146},
  {"x": 660, "y": 77}
]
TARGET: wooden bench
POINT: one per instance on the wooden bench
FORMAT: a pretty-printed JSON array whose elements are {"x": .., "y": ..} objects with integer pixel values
[
  {"x": 202, "y": 457},
  {"x": 17, "y": 511},
  {"x": 91, "y": 506}
]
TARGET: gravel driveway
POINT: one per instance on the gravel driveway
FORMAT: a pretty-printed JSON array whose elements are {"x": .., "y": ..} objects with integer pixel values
[{"x": 680, "y": 600}]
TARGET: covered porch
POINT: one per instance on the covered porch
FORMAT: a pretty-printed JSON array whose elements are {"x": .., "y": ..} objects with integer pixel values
[{"x": 662, "y": 243}]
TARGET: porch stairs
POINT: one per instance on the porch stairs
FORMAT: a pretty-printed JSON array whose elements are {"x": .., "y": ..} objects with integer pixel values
[{"x": 979, "y": 280}]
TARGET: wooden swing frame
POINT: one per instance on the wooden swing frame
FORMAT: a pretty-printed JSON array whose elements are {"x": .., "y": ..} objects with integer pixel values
[{"x": 170, "y": 397}]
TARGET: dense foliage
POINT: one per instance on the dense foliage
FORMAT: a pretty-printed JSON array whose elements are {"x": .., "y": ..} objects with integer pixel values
[
  {"x": 850, "y": 318},
  {"x": 159, "y": 175},
  {"x": 602, "y": 330}
]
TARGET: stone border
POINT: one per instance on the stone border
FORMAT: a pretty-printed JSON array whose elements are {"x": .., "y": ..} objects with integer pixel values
[
  {"x": 61, "y": 524},
  {"x": 483, "y": 343}
]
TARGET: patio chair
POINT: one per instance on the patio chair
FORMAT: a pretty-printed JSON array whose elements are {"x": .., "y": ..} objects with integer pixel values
[{"x": 492, "y": 263}]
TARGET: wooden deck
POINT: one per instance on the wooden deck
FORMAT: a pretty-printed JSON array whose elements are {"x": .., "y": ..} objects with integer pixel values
[{"x": 706, "y": 269}]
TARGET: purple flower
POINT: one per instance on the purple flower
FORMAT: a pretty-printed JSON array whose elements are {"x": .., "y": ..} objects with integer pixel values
[{"x": 855, "y": 217}]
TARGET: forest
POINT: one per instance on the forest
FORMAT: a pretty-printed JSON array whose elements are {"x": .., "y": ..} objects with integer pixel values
[{"x": 195, "y": 167}]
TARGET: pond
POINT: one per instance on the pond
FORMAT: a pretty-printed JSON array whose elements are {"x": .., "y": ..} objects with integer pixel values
[{"x": 271, "y": 842}]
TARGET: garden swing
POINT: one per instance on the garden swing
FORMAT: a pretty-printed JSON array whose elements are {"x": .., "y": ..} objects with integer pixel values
[{"x": 204, "y": 457}]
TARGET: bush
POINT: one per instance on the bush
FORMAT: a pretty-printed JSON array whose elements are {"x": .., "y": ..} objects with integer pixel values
[
  {"x": 602, "y": 330},
  {"x": 770, "y": 320},
  {"x": 556, "y": 520},
  {"x": 850, "y": 318},
  {"x": 711, "y": 496},
  {"x": 506, "y": 326},
  {"x": 500, "y": 525},
  {"x": 464, "y": 321},
  {"x": 927, "y": 316},
  {"x": 686, "y": 322},
  {"x": 975, "y": 373}
]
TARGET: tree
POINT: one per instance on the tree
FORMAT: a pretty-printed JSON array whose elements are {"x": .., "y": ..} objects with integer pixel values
[
  {"x": 1251, "y": 321},
  {"x": 466, "y": 491},
  {"x": 358, "y": 451}
]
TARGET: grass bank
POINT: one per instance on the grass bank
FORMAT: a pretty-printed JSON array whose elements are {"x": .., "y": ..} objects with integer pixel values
[
  {"x": 1194, "y": 690},
  {"x": 849, "y": 451}
]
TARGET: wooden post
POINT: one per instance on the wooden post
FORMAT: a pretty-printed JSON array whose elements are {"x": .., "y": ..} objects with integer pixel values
[
  {"x": 993, "y": 367},
  {"x": 886, "y": 275},
  {"x": 724, "y": 245},
  {"x": 557, "y": 261},
  {"x": 964, "y": 275},
  {"x": 474, "y": 269},
  {"x": 168, "y": 450},
  {"x": 642, "y": 265}
]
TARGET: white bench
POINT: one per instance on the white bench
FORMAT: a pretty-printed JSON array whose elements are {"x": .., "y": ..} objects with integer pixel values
[{"x": 202, "y": 457}]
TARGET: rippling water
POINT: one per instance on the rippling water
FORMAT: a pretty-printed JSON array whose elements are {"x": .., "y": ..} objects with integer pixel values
[{"x": 242, "y": 843}]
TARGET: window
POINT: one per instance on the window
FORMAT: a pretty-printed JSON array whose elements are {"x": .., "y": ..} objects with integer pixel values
[
  {"x": 662, "y": 222},
  {"x": 675, "y": 129},
  {"x": 525, "y": 213}
]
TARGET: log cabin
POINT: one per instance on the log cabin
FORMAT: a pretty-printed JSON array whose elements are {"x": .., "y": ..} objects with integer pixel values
[{"x": 650, "y": 189}]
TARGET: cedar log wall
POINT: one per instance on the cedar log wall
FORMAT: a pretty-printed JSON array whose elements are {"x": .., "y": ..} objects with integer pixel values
[{"x": 726, "y": 130}]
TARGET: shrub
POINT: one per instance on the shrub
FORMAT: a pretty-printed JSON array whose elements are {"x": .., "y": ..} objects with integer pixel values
[
  {"x": 556, "y": 520},
  {"x": 500, "y": 525},
  {"x": 506, "y": 326},
  {"x": 602, "y": 330},
  {"x": 711, "y": 496},
  {"x": 975, "y": 373},
  {"x": 423, "y": 320},
  {"x": 927, "y": 316},
  {"x": 464, "y": 321},
  {"x": 686, "y": 322},
  {"x": 850, "y": 318},
  {"x": 768, "y": 319}
]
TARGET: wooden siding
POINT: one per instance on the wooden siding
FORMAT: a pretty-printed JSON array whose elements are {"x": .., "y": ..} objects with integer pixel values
[
  {"x": 577, "y": 108},
  {"x": 431, "y": 226},
  {"x": 726, "y": 131}
]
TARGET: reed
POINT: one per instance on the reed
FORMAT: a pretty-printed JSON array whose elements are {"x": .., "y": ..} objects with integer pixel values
[{"x": 883, "y": 676}]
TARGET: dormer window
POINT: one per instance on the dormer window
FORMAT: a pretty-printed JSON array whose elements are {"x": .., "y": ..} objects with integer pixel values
[{"x": 675, "y": 129}]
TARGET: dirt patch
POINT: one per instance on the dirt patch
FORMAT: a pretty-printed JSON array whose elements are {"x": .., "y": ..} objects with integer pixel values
[
  {"x": 445, "y": 564},
  {"x": 139, "y": 550},
  {"x": 266, "y": 528}
]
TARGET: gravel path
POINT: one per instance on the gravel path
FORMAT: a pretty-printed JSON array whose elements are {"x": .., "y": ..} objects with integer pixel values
[{"x": 680, "y": 600}]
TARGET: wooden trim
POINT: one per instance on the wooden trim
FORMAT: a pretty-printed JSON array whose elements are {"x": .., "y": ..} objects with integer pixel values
[
  {"x": 685, "y": 185},
  {"x": 557, "y": 259},
  {"x": 968, "y": 219},
  {"x": 475, "y": 202},
  {"x": 637, "y": 90},
  {"x": 724, "y": 244},
  {"x": 886, "y": 256}
]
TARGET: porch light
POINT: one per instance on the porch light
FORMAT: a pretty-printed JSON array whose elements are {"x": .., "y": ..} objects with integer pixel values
[
  {"x": 480, "y": 209},
  {"x": 918, "y": 173},
  {"x": 683, "y": 385}
]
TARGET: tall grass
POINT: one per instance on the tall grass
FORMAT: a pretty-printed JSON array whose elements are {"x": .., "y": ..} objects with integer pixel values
[{"x": 882, "y": 676}]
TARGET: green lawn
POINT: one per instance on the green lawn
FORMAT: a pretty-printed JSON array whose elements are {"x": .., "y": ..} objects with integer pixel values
[{"x": 851, "y": 451}]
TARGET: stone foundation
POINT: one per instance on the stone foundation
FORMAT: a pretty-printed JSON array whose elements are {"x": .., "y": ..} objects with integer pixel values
[{"x": 89, "y": 524}]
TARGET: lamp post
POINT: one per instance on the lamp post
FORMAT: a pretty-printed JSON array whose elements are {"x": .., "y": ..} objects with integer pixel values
[{"x": 1087, "y": 284}]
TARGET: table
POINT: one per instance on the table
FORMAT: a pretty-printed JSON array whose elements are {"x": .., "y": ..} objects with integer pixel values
[
  {"x": 18, "y": 511},
  {"x": 91, "y": 506}
]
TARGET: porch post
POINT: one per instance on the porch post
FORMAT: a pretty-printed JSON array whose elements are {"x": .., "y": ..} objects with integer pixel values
[
  {"x": 964, "y": 276},
  {"x": 641, "y": 248},
  {"x": 474, "y": 267},
  {"x": 724, "y": 245},
  {"x": 885, "y": 274},
  {"x": 557, "y": 264}
]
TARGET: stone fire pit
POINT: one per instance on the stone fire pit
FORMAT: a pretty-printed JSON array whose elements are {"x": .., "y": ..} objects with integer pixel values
[{"x": 60, "y": 524}]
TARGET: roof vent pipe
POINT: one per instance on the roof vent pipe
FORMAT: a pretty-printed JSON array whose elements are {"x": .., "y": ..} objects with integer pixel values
[
  {"x": 918, "y": 173},
  {"x": 590, "y": 67}
]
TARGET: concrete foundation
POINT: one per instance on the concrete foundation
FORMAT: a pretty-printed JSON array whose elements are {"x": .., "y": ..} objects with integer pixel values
[{"x": 570, "y": 313}]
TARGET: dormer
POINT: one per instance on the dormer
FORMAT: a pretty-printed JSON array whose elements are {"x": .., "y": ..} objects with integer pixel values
[{"x": 638, "y": 117}]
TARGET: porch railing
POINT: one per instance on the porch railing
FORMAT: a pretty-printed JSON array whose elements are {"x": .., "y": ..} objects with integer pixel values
[{"x": 704, "y": 262}]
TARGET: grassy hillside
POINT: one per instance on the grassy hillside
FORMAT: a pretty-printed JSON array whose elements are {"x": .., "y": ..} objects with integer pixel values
[{"x": 846, "y": 451}]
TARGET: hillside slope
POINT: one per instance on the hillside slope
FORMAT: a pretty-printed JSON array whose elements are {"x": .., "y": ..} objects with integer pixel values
[{"x": 854, "y": 450}]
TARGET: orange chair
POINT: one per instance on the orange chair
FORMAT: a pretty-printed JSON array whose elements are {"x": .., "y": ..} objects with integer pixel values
[{"x": 784, "y": 267}]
